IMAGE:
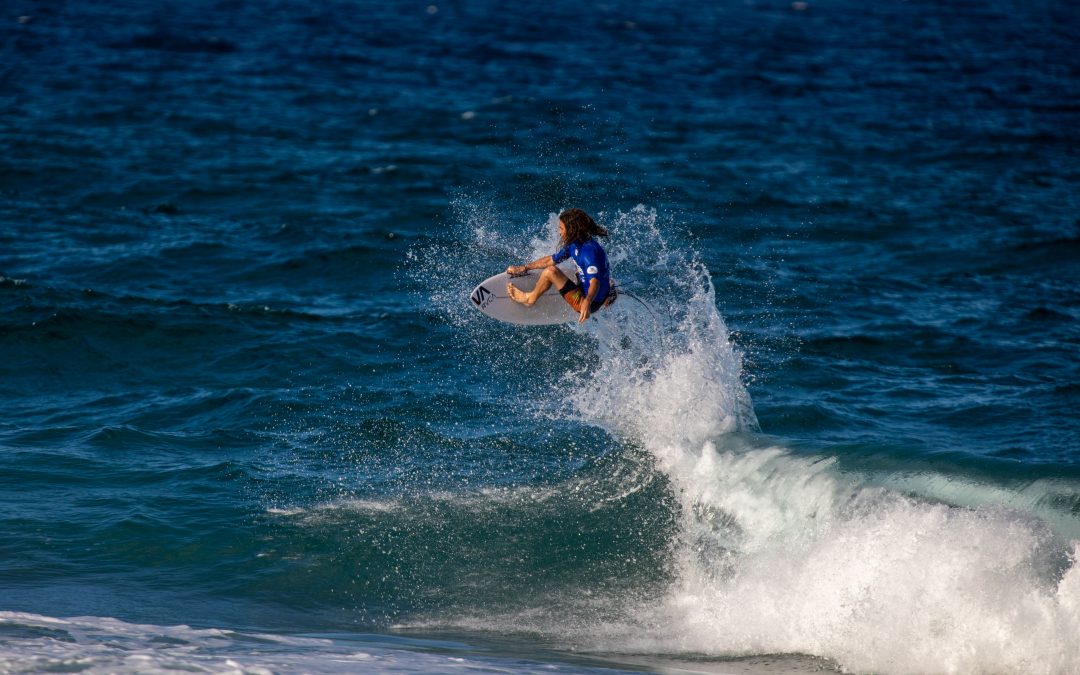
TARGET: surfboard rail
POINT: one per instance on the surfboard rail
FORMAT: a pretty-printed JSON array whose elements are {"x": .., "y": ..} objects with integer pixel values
[{"x": 490, "y": 298}]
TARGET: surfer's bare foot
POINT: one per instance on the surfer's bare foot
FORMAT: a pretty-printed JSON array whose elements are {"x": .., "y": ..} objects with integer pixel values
[{"x": 517, "y": 295}]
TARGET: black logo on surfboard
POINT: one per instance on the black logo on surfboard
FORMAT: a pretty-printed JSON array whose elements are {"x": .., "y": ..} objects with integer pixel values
[{"x": 480, "y": 296}]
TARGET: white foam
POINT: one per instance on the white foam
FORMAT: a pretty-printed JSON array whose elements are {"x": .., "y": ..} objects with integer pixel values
[
  {"x": 780, "y": 553},
  {"x": 590, "y": 492},
  {"x": 669, "y": 372},
  {"x": 100, "y": 645},
  {"x": 783, "y": 553},
  {"x": 806, "y": 562}
]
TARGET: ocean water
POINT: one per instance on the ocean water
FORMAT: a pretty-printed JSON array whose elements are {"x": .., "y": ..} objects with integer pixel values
[{"x": 249, "y": 421}]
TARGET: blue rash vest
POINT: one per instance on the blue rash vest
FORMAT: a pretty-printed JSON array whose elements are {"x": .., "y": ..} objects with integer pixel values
[{"x": 591, "y": 261}]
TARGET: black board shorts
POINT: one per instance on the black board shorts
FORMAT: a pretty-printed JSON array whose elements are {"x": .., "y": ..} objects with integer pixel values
[{"x": 574, "y": 295}]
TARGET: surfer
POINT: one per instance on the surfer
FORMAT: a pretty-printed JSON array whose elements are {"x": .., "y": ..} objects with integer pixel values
[{"x": 592, "y": 289}]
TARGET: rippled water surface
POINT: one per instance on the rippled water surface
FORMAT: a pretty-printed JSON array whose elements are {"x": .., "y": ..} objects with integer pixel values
[{"x": 251, "y": 422}]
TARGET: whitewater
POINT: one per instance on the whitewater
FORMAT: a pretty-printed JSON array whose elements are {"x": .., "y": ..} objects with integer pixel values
[{"x": 780, "y": 551}]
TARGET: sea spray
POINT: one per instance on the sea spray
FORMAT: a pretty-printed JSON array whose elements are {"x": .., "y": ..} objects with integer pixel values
[
  {"x": 446, "y": 269},
  {"x": 781, "y": 553},
  {"x": 667, "y": 362},
  {"x": 777, "y": 551}
]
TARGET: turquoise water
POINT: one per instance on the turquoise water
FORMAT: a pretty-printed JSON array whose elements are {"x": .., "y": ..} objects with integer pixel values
[{"x": 252, "y": 423}]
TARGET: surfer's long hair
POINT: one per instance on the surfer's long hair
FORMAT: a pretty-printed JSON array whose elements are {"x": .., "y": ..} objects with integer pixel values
[{"x": 580, "y": 227}]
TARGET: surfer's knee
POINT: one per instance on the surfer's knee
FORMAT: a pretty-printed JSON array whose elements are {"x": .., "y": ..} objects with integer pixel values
[{"x": 552, "y": 273}]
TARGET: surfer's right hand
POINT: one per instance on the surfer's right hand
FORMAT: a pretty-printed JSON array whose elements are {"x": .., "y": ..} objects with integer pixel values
[{"x": 515, "y": 269}]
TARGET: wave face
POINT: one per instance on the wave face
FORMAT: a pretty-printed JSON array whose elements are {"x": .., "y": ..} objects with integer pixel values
[{"x": 248, "y": 415}]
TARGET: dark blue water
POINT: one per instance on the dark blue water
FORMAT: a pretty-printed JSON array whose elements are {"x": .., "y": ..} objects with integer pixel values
[{"x": 250, "y": 420}]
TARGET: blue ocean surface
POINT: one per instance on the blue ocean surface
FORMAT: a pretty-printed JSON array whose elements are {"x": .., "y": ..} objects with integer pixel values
[{"x": 250, "y": 422}]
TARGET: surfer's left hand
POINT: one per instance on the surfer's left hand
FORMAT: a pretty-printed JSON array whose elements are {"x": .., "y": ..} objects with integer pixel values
[{"x": 584, "y": 313}]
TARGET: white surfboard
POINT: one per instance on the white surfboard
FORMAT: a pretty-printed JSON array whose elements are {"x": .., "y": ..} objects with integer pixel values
[{"x": 490, "y": 297}]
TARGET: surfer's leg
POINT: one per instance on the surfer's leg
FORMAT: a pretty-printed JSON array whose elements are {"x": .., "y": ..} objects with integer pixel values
[{"x": 551, "y": 276}]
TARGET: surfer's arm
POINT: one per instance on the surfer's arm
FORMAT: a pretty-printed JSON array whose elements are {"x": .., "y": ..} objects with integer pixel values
[
  {"x": 594, "y": 288},
  {"x": 539, "y": 263}
]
